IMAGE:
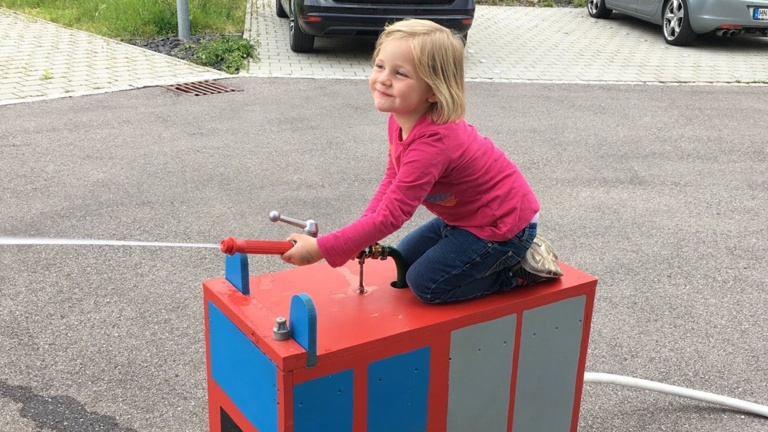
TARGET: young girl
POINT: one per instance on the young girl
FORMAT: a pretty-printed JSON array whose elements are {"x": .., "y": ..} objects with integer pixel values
[{"x": 486, "y": 212}]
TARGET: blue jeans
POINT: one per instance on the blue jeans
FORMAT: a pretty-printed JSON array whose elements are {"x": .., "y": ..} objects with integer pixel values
[{"x": 448, "y": 264}]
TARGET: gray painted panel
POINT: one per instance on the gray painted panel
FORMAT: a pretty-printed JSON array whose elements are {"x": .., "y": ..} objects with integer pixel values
[
  {"x": 480, "y": 374},
  {"x": 550, "y": 344}
]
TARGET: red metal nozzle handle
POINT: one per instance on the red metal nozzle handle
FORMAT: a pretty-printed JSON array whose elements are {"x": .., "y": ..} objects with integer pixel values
[{"x": 231, "y": 245}]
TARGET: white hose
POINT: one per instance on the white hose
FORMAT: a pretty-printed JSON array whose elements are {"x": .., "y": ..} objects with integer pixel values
[
  {"x": 89, "y": 242},
  {"x": 604, "y": 378}
]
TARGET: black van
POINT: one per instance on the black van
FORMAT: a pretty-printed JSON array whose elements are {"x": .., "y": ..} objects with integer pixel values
[{"x": 331, "y": 18}]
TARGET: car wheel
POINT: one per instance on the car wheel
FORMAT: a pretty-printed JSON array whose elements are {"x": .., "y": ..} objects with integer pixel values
[
  {"x": 597, "y": 9},
  {"x": 300, "y": 42},
  {"x": 279, "y": 10},
  {"x": 676, "y": 24}
]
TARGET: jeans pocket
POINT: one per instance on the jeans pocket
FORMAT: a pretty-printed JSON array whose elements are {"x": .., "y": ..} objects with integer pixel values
[
  {"x": 516, "y": 248},
  {"x": 506, "y": 261}
]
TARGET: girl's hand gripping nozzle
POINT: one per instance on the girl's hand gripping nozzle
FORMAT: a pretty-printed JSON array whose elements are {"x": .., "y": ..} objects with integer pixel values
[{"x": 231, "y": 245}]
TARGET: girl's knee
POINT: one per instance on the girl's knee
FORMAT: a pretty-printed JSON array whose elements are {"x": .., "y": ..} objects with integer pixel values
[
  {"x": 421, "y": 290},
  {"x": 424, "y": 298}
]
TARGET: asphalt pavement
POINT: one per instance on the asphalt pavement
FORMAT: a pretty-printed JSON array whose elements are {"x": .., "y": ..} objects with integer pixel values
[{"x": 658, "y": 189}]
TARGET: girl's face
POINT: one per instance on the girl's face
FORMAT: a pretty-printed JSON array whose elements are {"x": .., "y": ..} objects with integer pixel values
[{"x": 395, "y": 86}]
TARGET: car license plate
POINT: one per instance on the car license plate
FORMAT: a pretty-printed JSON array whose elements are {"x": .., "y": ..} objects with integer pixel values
[{"x": 760, "y": 14}]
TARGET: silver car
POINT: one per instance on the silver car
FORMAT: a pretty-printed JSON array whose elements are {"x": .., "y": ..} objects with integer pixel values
[{"x": 682, "y": 20}]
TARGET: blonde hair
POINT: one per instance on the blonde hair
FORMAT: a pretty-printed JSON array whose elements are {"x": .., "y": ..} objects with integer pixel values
[{"x": 439, "y": 55}]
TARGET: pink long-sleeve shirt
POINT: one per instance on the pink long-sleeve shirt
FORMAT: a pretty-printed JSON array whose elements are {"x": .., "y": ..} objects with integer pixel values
[{"x": 456, "y": 173}]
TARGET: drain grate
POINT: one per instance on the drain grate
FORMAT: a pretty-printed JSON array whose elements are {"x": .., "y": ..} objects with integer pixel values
[{"x": 201, "y": 88}]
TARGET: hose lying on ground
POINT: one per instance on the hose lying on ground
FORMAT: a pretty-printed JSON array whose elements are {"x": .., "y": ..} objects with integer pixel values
[{"x": 604, "y": 378}]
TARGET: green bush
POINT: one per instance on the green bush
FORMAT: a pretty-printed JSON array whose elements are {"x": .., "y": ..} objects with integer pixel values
[{"x": 228, "y": 53}]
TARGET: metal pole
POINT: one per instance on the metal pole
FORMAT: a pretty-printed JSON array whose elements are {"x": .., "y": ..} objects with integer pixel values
[{"x": 182, "y": 16}]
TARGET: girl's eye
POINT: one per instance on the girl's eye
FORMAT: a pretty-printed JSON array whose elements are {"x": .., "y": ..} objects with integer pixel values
[{"x": 402, "y": 74}]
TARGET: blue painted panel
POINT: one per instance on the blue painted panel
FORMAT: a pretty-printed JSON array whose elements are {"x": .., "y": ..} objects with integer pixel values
[
  {"x": 324, "y": 404},
  {"x": 236, "y": 272},
  {"x": 303, "y": 324},
  {"x": 244, "y": 373},
  {"x": 398, "y": 388}
]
